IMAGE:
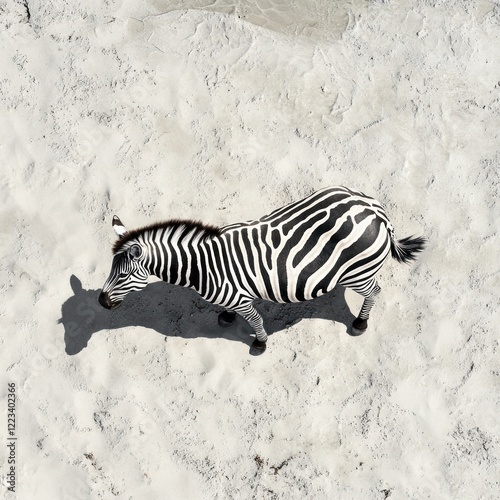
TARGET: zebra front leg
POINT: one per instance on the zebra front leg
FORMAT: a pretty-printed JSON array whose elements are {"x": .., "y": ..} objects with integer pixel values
[
  {"x": 254, "y": 319},
  {"x": 369, "y": 291}
]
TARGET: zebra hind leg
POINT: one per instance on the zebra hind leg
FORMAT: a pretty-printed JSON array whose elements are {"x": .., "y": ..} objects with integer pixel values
[
  {"x": 369, "y": 291},
  {"x": 226, "y": 318},
  {"x": 254, "y": 319}
]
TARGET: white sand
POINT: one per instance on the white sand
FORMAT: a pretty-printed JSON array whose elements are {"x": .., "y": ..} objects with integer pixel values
[{"x": 223, "y": 114}]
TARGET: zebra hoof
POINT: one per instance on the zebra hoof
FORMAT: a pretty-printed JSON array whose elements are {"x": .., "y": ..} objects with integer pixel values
[
  {"x": 226, "y": 318},
  {"x": 359, "y": 326},
  {"x": 258, "y": 347},
  {"x": 356, "y": 333}
]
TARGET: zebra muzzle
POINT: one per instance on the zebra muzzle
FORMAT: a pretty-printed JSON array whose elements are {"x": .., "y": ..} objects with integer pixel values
[{"x": 106, "y": 302}]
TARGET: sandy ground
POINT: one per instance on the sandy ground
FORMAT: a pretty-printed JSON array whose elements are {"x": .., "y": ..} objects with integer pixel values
[{"x": 222, "y": 112}]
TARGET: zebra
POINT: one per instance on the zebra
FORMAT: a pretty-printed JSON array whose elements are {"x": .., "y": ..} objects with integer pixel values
[{"x": 335, "y": 236}]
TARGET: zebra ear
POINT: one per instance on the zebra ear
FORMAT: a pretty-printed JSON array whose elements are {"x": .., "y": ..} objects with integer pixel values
[
  {"x": 119, "y": 227},
  {"x": 135, "y": 251}
]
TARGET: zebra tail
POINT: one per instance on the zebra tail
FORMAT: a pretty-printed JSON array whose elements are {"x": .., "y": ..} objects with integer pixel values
[{"x": 406, "y": 250}]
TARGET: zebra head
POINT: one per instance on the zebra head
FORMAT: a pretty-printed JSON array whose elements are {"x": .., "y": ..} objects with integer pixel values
[{"x": 128, "y": 272}]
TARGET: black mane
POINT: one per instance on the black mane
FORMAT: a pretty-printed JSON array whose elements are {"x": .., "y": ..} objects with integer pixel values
[{"x": 207, "y": 230}]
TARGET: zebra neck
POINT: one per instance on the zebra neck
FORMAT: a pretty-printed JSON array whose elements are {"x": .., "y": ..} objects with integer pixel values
[{"x": 175, "y": 255}]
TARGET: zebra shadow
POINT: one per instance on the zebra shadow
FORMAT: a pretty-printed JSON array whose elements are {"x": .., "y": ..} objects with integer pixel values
[{"x": 179, "y": 312}]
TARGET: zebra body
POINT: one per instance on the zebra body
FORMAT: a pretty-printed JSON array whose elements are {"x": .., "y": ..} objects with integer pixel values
[{"x": 296, "y": 253}]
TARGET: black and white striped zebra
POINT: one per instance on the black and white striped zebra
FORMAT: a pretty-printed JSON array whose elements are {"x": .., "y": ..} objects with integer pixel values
[{"x": 298, "y": 252}]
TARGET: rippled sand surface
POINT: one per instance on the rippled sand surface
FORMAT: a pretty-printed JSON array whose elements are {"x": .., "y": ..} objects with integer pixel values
[{"x": 310, "y": 19}]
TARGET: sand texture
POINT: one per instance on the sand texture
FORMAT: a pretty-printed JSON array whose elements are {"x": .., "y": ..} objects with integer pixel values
[{"x": 222, "y": 112}]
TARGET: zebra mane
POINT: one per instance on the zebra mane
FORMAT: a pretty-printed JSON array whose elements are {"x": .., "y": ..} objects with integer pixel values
[{"x": 207, "y": 230}]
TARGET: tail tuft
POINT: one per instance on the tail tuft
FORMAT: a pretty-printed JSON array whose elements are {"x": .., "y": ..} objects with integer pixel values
[{"x": 406, "y": 250}]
